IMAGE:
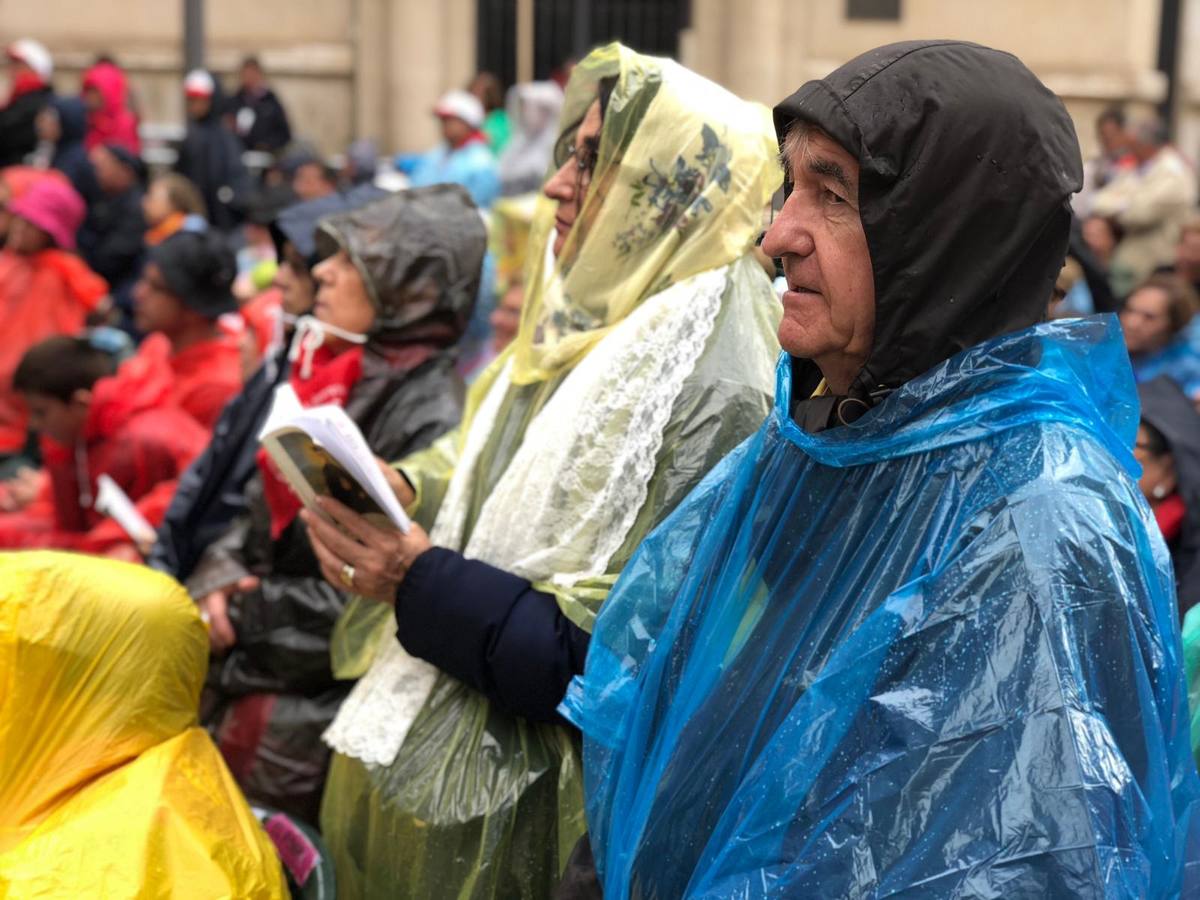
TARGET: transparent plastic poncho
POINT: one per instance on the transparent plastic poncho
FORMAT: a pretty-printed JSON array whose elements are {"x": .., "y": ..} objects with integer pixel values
[
  {"x": 931, "y": 654},
  {"x": 478, "y": 803}
]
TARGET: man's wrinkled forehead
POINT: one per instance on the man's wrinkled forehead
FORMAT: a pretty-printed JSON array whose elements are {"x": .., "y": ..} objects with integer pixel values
[{"x": 807, "y": 150}]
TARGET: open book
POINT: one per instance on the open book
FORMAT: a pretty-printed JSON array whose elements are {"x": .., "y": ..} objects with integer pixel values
[{"x": 321, "y": 452}]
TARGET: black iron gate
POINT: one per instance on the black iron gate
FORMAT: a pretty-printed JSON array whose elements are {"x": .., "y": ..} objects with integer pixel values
[{"x": 566, "y": 29}]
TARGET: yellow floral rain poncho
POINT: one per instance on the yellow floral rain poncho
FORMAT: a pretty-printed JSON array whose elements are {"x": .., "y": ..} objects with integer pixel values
[
  {"x": 107, "y": 786},
  {"x": 645, "y": 354}
]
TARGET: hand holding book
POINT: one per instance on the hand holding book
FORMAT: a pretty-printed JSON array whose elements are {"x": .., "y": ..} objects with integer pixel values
[
  {"x": 354, "y": 502},
  {"x": 398, "y": 483},
  {"x": 358, "y": 556}
]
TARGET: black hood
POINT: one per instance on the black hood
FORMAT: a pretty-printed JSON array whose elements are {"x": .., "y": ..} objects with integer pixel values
[
  {"x": 967, "y": 163},
  {"x": 420, "y": 253}
]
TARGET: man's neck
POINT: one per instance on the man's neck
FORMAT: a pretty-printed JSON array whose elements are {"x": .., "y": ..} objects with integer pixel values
[
  {"x": 190, "y": 334},
  {"x": 839, "y": 373}
]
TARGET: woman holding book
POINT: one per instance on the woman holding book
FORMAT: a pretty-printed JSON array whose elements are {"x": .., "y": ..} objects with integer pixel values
[
  {"x": 643, "y": 356},
  {"x": 395, "y": 290}
]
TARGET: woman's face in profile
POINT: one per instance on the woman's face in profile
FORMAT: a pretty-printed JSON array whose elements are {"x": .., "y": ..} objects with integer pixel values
[
  {"x": 568, "y": 186},
  {"x": 342, "y": 299}
]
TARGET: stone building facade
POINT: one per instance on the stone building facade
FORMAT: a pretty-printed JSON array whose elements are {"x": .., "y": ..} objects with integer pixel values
[{"x": 373, "y": 68}]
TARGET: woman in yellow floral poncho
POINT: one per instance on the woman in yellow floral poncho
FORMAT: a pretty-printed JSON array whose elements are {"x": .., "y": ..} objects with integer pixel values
[{"x": 643, "y": 357}]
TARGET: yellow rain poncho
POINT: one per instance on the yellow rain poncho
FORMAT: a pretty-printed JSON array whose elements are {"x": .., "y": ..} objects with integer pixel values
[
  {"x": 644, "y": 356},
  {"x": 508, "y": 238},
  {"x": 107, "y": 787}
]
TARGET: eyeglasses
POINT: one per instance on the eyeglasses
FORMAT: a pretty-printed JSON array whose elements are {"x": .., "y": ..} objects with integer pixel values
[{"x": 585, "y": 157}]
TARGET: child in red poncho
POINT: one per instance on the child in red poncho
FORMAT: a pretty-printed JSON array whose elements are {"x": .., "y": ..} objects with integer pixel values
[
  {"x": 94, "y": 422},
  {"x": 45, "y": 289},
  {"x": 183, "y": 293}
]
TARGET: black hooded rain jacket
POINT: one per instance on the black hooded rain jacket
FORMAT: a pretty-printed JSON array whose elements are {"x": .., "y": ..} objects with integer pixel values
[
  {"x": 930, "y": 160},
  {"x": 424, "y": 280}
]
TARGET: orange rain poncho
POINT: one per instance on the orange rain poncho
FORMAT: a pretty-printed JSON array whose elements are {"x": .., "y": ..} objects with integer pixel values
[
  {"x": 107, "y": 786},
  {"x": 51, "y": 292}
]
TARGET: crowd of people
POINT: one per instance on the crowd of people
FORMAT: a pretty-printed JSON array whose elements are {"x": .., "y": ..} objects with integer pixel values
[{"x": 783, "y": 519}]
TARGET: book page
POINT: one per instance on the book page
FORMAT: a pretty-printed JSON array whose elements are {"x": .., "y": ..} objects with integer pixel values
[
  {"x": 285, "y": 406},
  {"x": 113, "y": 502},
  {"x": 321, "y": 451},
  {"x": 312, "y": 471}
]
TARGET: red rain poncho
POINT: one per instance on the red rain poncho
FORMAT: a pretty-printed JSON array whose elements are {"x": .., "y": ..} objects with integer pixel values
[
  {"x": 207, "y": 375},
  {"x": 135, "y": 435},
  {"x": 114, "y": 122}
]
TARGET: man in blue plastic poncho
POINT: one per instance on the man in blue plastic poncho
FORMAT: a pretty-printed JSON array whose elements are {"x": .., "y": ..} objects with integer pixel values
[{"x": 916, "y": 637}]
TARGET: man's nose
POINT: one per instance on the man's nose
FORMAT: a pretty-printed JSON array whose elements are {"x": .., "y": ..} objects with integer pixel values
[{"x": 790, "y": 233}]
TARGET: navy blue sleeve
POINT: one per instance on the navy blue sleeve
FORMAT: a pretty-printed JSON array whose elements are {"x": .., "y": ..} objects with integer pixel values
[{"x": 492, "y": 630}]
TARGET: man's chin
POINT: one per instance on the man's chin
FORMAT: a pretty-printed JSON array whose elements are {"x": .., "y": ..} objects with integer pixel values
[{"x": 799, "y": 341}]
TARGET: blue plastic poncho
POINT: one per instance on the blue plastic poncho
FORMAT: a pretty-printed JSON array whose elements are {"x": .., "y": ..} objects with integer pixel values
[
  {"x": 933, "y": 653},
  {"x": 1179, "y": 361},
  {"x": 471, "y": 165}
]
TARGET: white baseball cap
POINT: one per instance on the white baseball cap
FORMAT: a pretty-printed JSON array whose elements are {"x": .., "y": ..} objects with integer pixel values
[
  {"x": 34, "y": 55},
  {"x": 460, "y": 105},
  {"x": 198, "y": 83}
]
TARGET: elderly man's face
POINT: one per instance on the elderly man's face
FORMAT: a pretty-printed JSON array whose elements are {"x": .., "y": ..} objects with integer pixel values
[{"x": 829, "y": 307}]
